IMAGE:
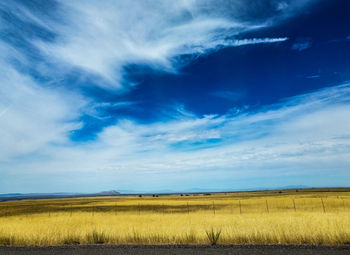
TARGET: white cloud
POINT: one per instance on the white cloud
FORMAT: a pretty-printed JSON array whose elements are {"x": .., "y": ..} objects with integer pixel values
[
  {"x": 257, "y": 41},
  {"x": 308, "y": 134},
  {"x": 31, "y": 116},
  {"x": 102, "y": 38}
]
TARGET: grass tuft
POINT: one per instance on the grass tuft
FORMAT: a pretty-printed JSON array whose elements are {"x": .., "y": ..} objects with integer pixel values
[
  {"x": 213, "y": 235},
  {"x": 4, "y": 240},
  {"x": 97, "y": 237},
  {"x": 71, "y": 239},
  {"x": 7, "y": 240}
]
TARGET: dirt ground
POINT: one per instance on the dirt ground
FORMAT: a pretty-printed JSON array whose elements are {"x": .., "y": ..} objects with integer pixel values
[{"x": 177, "y": 249}]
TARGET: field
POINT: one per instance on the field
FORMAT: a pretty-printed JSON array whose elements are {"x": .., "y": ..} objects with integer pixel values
[{"x": 271, "y": 217}]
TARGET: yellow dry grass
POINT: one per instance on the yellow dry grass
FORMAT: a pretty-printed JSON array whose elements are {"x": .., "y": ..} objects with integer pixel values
[{"x": 304, "y": 217}]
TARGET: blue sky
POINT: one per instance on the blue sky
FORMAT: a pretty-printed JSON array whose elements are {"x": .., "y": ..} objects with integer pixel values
[{"x": 153, "y": 95}]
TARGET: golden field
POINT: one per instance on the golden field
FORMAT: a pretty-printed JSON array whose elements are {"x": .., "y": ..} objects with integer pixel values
[{"x": 272, "y": 217}]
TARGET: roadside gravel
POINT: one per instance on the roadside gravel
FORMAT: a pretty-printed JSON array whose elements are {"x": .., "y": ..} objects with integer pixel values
[{"x": 177, "y": 249}]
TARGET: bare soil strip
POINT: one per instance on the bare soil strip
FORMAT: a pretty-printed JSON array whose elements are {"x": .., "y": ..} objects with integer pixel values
[{"x": 177, "y": 249}]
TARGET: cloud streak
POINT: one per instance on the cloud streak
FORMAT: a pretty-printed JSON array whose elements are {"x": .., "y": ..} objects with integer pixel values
[{"x": 257, "y": 41}]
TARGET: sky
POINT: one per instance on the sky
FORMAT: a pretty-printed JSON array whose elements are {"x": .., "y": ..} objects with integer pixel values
[{"x": 162, "y": 95}]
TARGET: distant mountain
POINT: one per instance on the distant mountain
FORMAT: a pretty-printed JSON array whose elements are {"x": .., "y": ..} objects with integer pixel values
[{"x": 108, "y": 193}]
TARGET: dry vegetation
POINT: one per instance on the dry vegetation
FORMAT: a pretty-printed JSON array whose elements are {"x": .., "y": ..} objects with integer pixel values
[{"x": 279, "y": 217}]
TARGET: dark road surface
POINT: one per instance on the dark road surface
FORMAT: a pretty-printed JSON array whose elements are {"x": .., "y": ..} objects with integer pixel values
[{"x": 178, "y": 249}]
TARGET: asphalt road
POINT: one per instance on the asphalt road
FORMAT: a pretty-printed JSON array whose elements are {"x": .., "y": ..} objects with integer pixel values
[{"x": 178, "y": 249}]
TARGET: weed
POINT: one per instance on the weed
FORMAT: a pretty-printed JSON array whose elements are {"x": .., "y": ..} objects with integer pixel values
[
  {"x": 4, "y": 240},
  {"x": 213, "y": 235},
  {"x": 7, "y": 240},
  {"x": 96, "y": 237},
  {"x": 190, "y": 237},
  {"x": 71, "y": 239}
]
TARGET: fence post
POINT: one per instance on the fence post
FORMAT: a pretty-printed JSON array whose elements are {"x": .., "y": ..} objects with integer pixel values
[
  {"x": 213, "y": 207},
  {"x": 267, "y": 206},
  {"x": 324, "y": 208},
  {"x": 71, "y": 210},
  {"x": 240, "y": 207},
  {"x": 295, "y": 209}
]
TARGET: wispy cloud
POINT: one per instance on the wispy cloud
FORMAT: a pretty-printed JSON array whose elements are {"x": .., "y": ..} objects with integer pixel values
[
  {"x": 100, "y": 39},
  {"x": 282, "y": 6},
  {"x": 303, "y": 135},
  {"x": 31, "y": 116},
  {"x": 95, "y": 41},
  {"x": 315, "y": 76},
  {"x": 302, "y": 44},
  {"x": 258, "y": 41}
]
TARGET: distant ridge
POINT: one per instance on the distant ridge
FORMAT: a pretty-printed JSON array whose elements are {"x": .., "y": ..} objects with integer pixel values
[
  {"x": 38, "y": 194},
  {"x": 11, "y": 195},
  {"x": 194, "y": 191},
  {"x": 108, "y": 193},
  {"x": 22, "y": 196}
]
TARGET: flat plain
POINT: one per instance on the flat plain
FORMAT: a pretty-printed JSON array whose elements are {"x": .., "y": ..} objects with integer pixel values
[{"x": 294, "y": 217}]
